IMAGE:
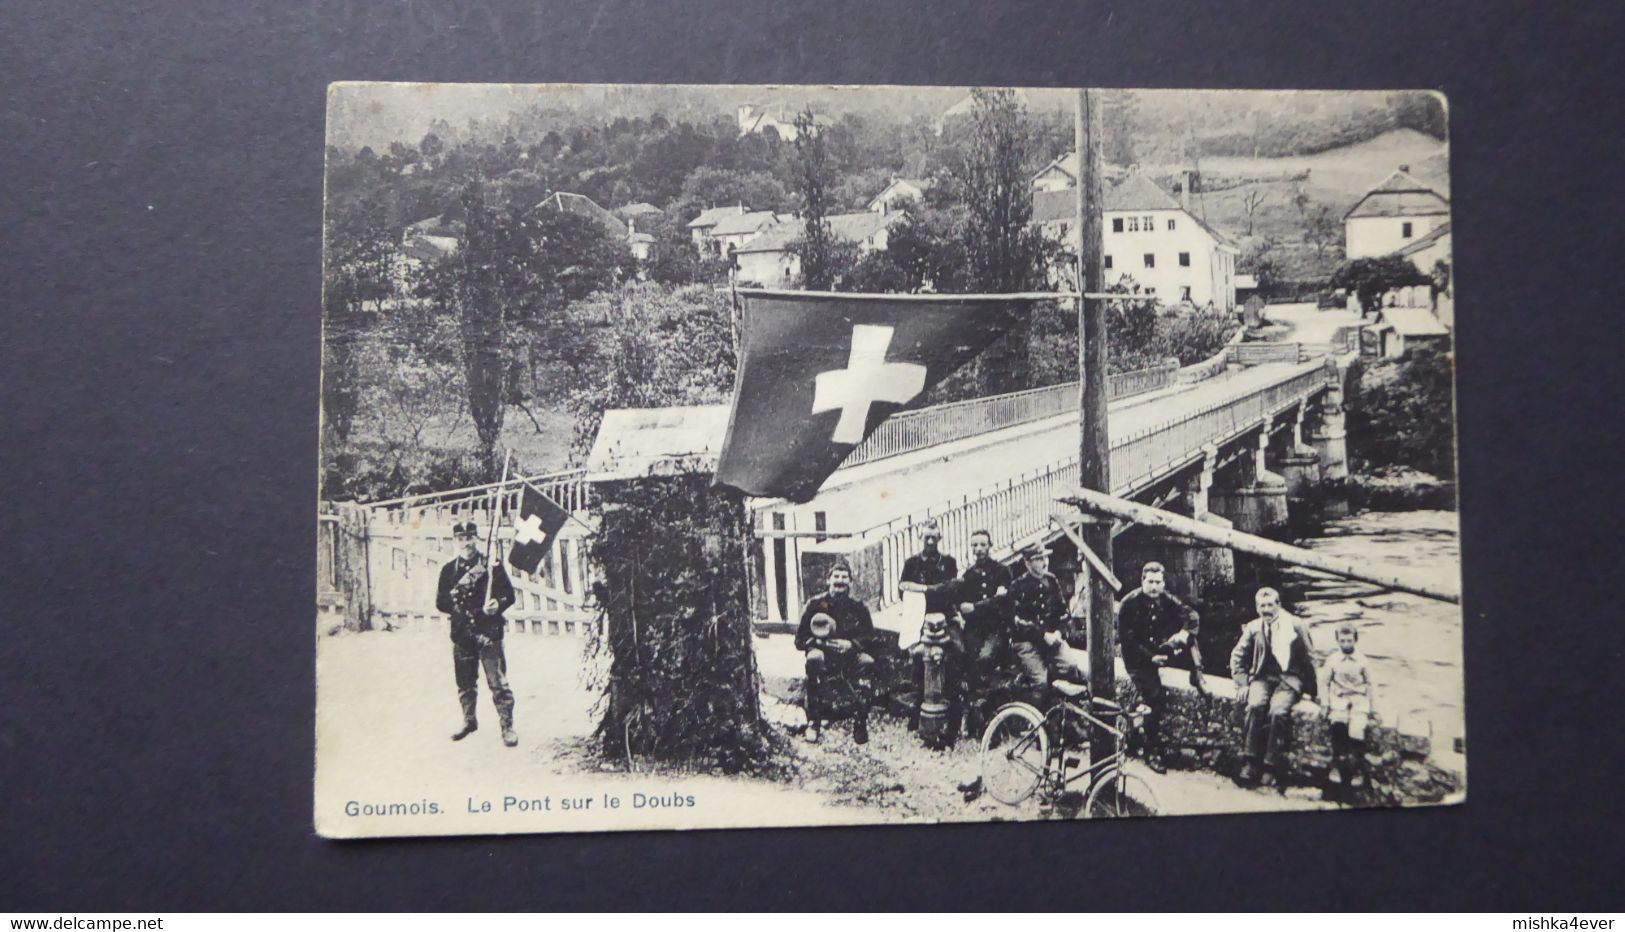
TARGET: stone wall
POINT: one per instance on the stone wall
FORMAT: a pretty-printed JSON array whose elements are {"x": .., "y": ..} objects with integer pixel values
[{"x": 1205, "y": 733}]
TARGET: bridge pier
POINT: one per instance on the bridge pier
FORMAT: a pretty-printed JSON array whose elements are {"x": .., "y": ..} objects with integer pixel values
[
  {"x": 1194, "y": 570},
  {"x": 1257, "y": 502},
  {"x": 1330, "y": 437},
  {"x": 1299, "y": 463}
]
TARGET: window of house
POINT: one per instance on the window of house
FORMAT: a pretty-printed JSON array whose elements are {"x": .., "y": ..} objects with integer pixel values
[
  {"x": 1064, "y": 229},
  {"x": 1108, "y": 262},
  {"x": 1149, "y": 223},
  {"x": 1185, "y": 293},
  {"x": 1117, "y": 224},
  {"x": 1185, "y": 260},
  {"x": 1405, "y": 230},
  {"x": 1134, "y": 224},
  {"x": 1170, "y": 223},
  {"x": 1150, "y": 261}
]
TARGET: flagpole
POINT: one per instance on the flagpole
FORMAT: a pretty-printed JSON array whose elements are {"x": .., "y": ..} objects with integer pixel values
[
  {"x": 1094, "y": 444},
  {"x": 496, "y": 518}
]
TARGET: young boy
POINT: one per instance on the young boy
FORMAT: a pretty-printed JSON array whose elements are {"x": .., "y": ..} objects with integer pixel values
[{"x": 1349, "y": 697}]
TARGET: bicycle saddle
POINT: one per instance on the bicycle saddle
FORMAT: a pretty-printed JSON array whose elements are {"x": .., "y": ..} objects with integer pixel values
[{"x": 1070, "y": 689}]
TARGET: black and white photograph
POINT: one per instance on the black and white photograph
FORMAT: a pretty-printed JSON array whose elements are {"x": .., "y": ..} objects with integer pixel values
[{"x": 705, "y": 456}]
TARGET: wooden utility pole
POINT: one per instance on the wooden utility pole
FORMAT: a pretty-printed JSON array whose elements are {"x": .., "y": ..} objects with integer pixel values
[{"x": 1094, "y": 448}]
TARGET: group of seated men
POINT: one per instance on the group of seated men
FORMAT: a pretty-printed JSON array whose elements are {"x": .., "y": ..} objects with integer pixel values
[
  {"x": 1003, "y": 630},
  {"x": 988, "y": 619}
]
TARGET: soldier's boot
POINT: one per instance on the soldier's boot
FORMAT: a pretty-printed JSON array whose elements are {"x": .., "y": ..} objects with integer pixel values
[
  {"x": 509, "y": 737},
  {"x": 860, "y": 728},
  {"x": 470, "y": 724}
]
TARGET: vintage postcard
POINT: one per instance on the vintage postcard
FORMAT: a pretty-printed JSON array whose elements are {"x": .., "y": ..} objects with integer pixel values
[{"x": 709, "y": 457}]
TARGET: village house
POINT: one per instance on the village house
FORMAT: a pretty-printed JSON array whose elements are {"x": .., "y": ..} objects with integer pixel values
[
  {"x": 1431, "y": 255},
  {"x": 735, "y": 230},
  {"x": 1393, "y": 215},
  {"x": 769, "y": 261},
  {"x": 1151, "y": 239},
  {"x": 1062, "y": 173},
  {"x": 584, "y": 206},
  {"x": 699, "y": 229},
  {"x": 899, "y": 193},
  {"x": 775, "y": 119}
]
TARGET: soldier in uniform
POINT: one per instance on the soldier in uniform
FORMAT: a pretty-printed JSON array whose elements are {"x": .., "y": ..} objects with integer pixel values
[
  {"x": 476, "y": 629},
  {"x": 839, "y": 647},
  {"x": 936, "y": 574},
  {"x": 1152, "y": 625},
  {"x": 979, "y": 593},
  {"x": 1037, "y": 614}
]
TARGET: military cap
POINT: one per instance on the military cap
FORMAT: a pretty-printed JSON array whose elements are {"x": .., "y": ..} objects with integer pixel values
[{"x": 463, "y": 528}]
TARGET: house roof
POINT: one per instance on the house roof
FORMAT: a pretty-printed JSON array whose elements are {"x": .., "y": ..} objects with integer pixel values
[
  {"x": 1066, "y": 163},
  {"x": 640, "y": 209},
  {"x": 427, "y": 247},
  {"x": 1400, "y": 195},
  {"x": 1137, "y": 192},
  {"x": 855, "y": 228},
  {"x": 710, "y": 216},
  {"x": 584, "y": 206},
  {"x": 437, "y": 226},
  {"x": 1433, "y": 236},
  {"x": 736, "y": 224},
  {"x": 1413, "y": 322},
  {"x": 919, "y": 184},
  {"x": 637, "y": 442}
]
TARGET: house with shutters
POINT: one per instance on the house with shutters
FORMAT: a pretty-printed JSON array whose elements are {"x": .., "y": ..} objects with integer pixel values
[
  {"x": 1151, "y": 238},
  {"x": 1393, "y": 215},
  {"x": 768, "y": 260}
]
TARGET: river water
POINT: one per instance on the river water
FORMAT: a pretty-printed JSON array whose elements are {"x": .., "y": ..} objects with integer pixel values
[{"x": 1412, "y": 644}]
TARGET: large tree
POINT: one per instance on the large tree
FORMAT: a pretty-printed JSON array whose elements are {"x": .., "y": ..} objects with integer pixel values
[
  {"x": 1372, "y": 277},
  {"x": 823, "y": 256},
  {"x": 1002, "y": 252},
  {"x": 509, "y": 284}
]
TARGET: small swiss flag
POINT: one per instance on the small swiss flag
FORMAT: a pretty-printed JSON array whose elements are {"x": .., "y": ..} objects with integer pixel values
[{"x": 538, "y": 523}]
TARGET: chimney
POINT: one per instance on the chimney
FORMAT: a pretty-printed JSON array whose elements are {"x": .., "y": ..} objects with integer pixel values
[{"x": 1405, "y": 168}]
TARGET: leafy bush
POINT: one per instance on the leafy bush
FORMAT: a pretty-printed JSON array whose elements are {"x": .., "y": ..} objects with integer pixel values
[
  {"x": 683, "y": 686},
  {"x": 1403, "y": 415}
]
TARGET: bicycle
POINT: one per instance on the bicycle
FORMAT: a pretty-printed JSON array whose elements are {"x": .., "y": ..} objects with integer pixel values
[{"x": 1025, "y": 751}]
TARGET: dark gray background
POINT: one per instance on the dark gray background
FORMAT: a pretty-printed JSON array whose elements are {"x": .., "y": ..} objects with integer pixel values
[{"x": 161, "y": 176}]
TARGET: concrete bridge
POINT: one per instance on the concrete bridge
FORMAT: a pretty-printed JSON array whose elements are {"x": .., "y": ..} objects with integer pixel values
[{"x": 1228, "y": 441}]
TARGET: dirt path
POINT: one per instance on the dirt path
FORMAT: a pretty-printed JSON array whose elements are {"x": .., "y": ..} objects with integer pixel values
[{"x": 387, "y": 706}]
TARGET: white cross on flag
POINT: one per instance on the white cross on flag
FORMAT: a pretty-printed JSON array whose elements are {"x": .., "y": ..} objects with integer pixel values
[
  {"x": 820, "y": 371},
  {"x": 537, "y": 523}
]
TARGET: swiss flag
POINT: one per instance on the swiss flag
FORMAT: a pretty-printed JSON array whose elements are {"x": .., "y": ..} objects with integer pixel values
[
  {"x": 538, "y": 522},
  {"x": 820, "y": 371}
]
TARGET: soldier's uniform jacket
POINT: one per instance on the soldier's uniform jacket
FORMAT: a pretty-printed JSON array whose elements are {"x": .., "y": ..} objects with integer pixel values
[
  {"x": 979, "y": 587},
  {"x": 1036, "y": 606},
  {"x": 1144, "y": 622},
  {"x": 852, "y": 620},
  {"x": 938, "y": 572},
  {"x": 461, "y": 595}
]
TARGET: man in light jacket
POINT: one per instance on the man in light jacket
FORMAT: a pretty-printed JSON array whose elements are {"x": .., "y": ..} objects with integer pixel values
[{"x": 1273, "y": 666}]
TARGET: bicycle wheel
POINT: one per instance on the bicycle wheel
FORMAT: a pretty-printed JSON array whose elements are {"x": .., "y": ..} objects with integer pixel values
[
  {"x": 1120, "y": 795},
  {"x": 1015, "y": 750}
]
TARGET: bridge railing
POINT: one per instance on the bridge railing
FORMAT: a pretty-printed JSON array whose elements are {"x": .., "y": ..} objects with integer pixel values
[
  {"x": 914, "y": 430},
  {"x": 568, "y": 488},
  {"x": 1017, "y": 512}
]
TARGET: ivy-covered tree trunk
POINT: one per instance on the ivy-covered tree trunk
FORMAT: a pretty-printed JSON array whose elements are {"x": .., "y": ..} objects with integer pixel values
[{"x": 683, "y": 685}]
